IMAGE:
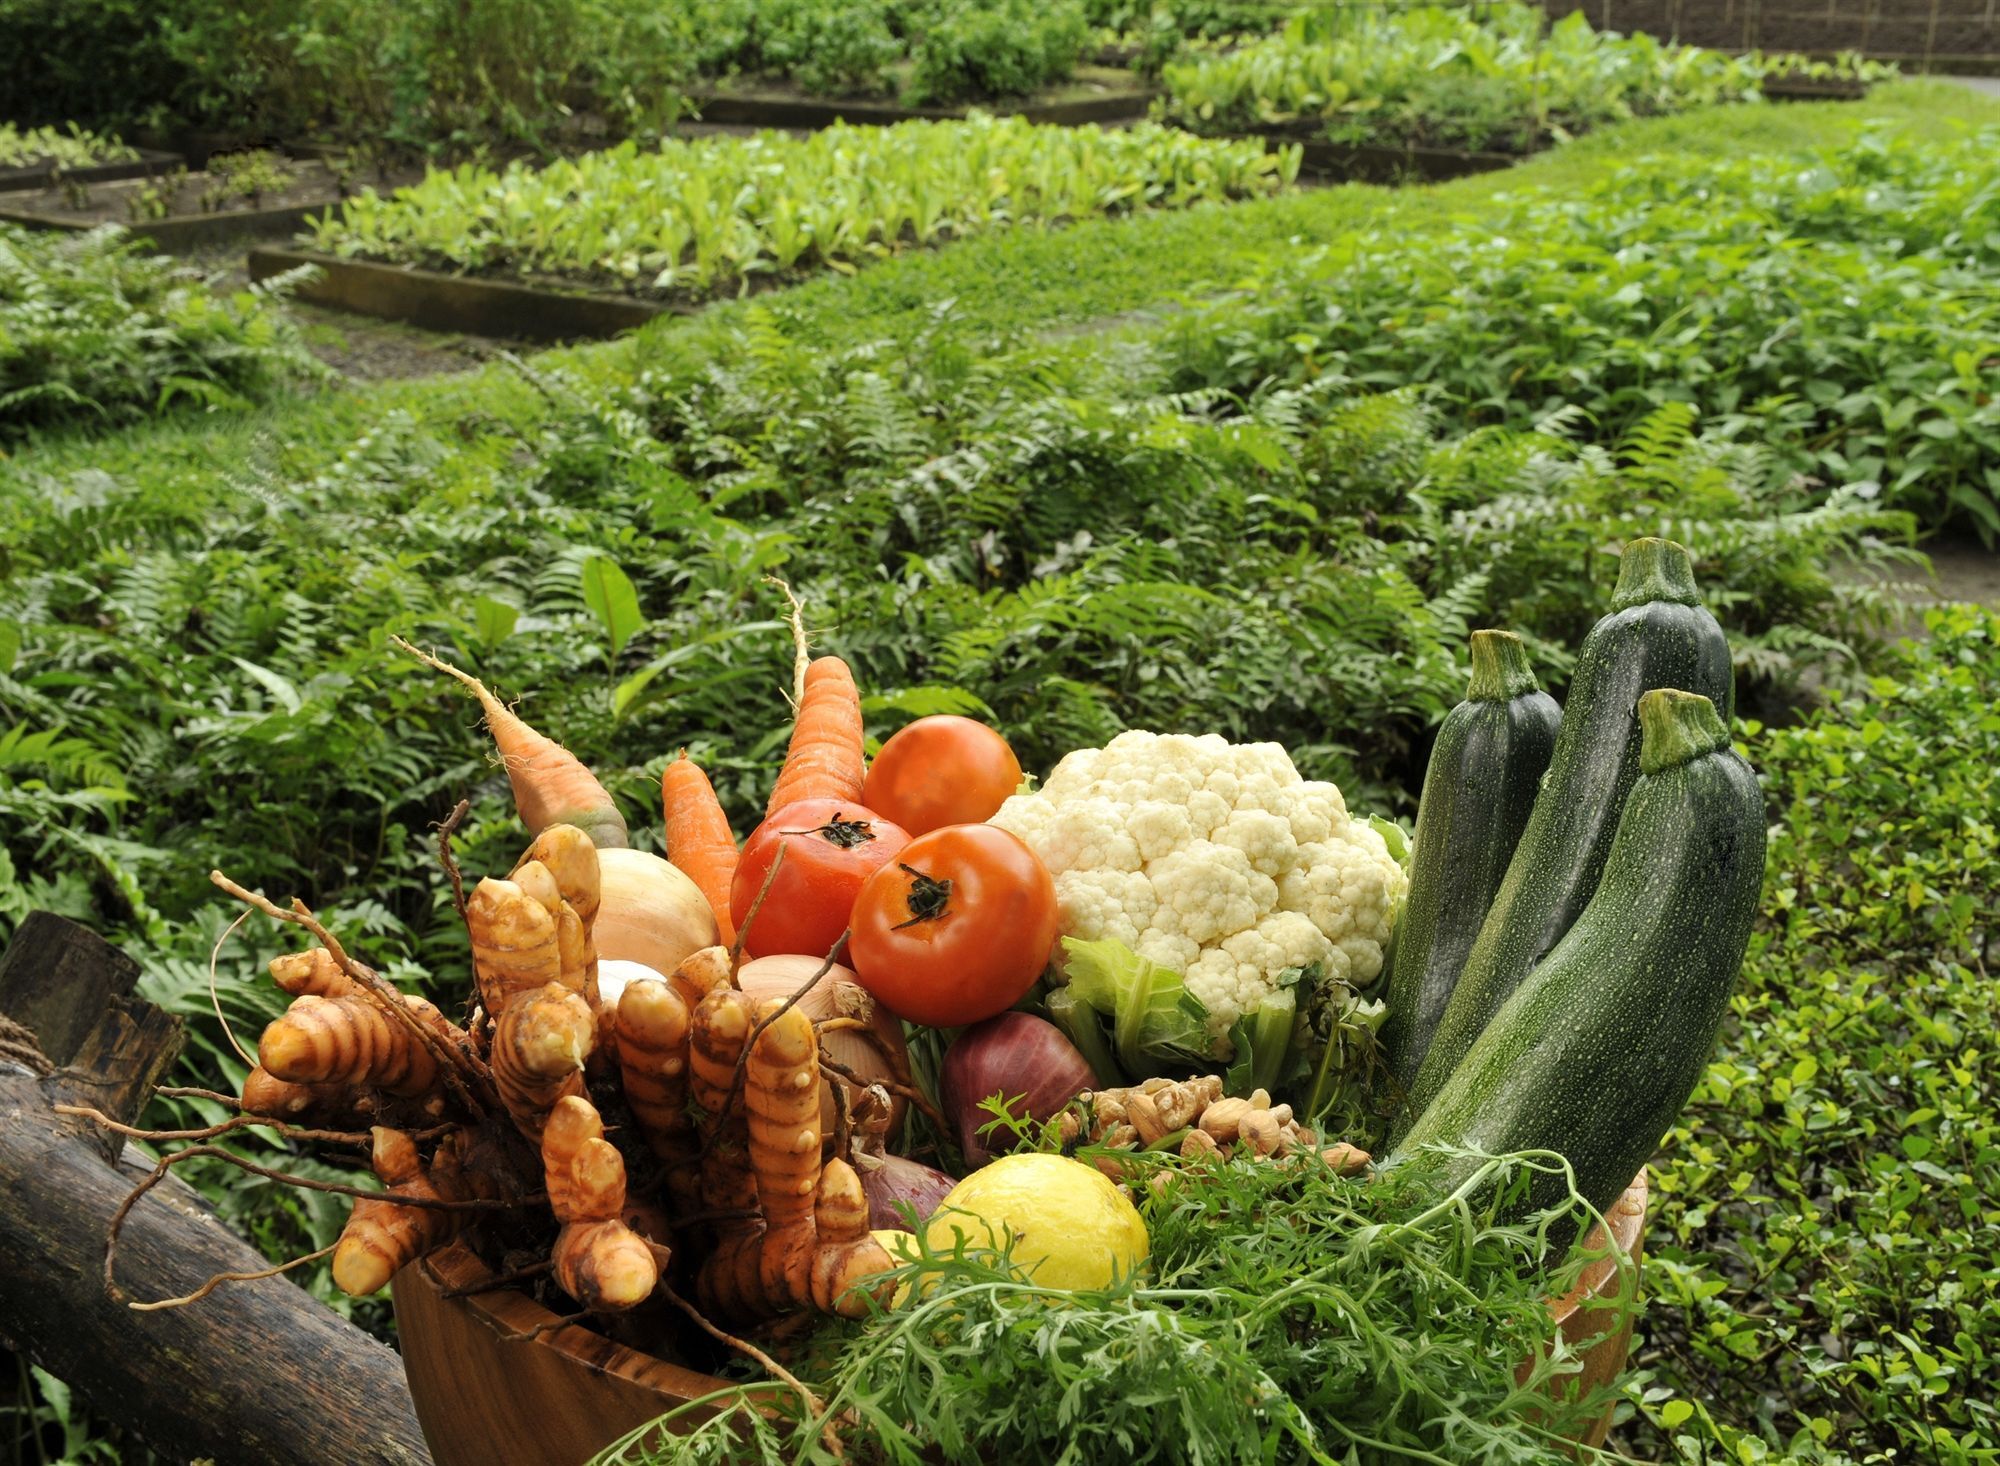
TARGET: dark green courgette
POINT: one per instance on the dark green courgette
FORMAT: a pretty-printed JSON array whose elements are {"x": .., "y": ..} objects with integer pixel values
[
  {"x": 1480, "y": 785},
  {"x": 1657, "y": 634},
  {"x": 1595, "y": 1054}
]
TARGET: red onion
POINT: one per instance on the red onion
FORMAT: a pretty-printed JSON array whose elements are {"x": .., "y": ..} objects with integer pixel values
[
  {"x": 889, "y": 1179},
  {"x": 1019, "y": 1057}
]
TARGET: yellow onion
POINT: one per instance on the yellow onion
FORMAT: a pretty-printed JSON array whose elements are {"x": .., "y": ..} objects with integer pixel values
[{"x": 648, "y": 912}]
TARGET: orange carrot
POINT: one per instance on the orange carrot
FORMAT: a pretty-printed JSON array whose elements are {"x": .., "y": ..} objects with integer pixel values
[
  {"x": 699, "y": 841},
  {"x": 824, "y": 761},
  {"x": 551, "y": 787}
]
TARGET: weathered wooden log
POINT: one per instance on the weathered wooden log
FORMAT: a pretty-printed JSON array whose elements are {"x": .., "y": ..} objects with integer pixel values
[{"x": 258, "y": 1371}]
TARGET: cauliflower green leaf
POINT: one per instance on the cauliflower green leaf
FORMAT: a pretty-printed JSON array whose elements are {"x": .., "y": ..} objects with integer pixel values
[{"x": 1155, "y": 1021}]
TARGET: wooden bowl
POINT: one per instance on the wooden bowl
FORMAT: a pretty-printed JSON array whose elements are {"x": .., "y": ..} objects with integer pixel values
[{"x": 493, "y": 1382}]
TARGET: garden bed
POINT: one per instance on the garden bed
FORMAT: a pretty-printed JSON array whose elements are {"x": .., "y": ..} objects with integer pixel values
[
  {"x": 1383, "y": 162},
  {"x": 1813, "y": 89},
  {"x": 440, "y": 302},
  {"x": 37, "y": 174},
  {"x": 181, "y": 210},
  {"x": 1094, "y": 94}
]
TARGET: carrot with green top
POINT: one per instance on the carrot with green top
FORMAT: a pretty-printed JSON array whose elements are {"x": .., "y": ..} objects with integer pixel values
[
  {"x": 551, "y": 786},
  {"x": 700, "y": 843},
  {"x": 825, "y": 759}
]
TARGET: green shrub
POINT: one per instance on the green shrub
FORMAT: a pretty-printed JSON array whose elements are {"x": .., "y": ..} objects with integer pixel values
[
  {"x": 1824, "y": 1254},
  {"x": 836, "y": 49},
  {"x": 411, "y": 72},
  {"x": 993, "y": 48},
  {"x": 92, "y": 331}
]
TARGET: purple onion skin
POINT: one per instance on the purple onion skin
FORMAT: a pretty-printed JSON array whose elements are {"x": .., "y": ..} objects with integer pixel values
[
  {"x": 1016, "y": 1055},
  {"x": 899, "y": 1179}
]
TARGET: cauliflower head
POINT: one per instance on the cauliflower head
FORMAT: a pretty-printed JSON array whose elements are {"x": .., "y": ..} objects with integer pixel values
[{"x": 1214, "y": 859}]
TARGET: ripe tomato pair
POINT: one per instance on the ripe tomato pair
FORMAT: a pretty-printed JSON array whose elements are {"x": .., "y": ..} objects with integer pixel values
[{"x": 956, "y": 928}]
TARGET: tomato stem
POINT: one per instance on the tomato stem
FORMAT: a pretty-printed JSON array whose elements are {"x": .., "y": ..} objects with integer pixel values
[
  {"x": 928, "y": 897},
  {"x": 844, "y": 833}
]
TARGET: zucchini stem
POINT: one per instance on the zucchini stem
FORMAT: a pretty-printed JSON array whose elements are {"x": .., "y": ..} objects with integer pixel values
[
  {"x": 1654, "y": 570},
  {"x": 1501, "y": 671},
  {"x": 1676, "y": 726}
]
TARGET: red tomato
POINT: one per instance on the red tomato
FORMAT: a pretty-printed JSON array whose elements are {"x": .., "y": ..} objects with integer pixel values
[
  {"x": 942, "y": 770},
  {"x": 957, "y": 929},
  {"x": 831, "y": 847}
]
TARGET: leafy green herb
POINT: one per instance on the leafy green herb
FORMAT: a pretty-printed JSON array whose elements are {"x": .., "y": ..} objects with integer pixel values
[{"x": 1289, "y": 1315}]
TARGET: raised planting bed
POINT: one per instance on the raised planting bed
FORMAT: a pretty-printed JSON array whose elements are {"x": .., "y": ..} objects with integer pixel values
[
  {"x": 1811, "y": 89},
  {"x": 179, "y": 210},
  {"x": 37, "y": 174},
  {"x": 1383, "y": 162},
  {"x": 440, "y": 302},
  {"x": 598, "y": 243},
  {"x": 1094, "y": 94}
]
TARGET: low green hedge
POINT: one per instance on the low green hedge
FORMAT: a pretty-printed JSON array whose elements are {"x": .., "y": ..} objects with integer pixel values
[{"x": 1825, "y": 1250}]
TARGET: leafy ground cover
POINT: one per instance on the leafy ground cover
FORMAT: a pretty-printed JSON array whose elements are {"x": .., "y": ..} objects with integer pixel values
[
  {"x": 1839, "y": 311},
  {"x": 1496, "y": 78},
  {"x": 95, "y": 332},
  {"x": 1824, "y": 1250},
  {"x": 690, "y": 217},
  {"x": 193, "y": 667}
]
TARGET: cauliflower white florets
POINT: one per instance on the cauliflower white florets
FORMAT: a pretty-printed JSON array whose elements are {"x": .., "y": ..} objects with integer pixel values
[{"x": 1214, "y": 859}]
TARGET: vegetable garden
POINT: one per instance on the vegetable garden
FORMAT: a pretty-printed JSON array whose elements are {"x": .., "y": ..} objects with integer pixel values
[{"x": 1083, "y": 723}]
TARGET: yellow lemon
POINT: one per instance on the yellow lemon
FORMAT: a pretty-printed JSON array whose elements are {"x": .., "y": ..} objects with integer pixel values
[
  {"x": 1070, "y": 1226},
  {"x": 896, "y": 1242}
]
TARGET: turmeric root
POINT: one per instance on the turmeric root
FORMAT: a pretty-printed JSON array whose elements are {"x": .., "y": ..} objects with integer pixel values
[
  {"x": 515, "y": 946},
  {"x": 605, "y": 1266},
  {"x": 650, "y": 1032},
  {"x": 535, "y": 881},
  {"x": 846, "y": 1253},
  {"x": 599, "y": 1261},
  {"x": 539, "y": 1048},
  {"x": 346, "y": 1040},
  {"x": 572, "y": 1123},
  {"x": 302, "y": 1104},
  {"x": 315, "y": 973},
  {"x": 730, "y": 1281},
  {"x": 562, "y": 864},
  {"x": 568, "y": 855},
  {"x": 701, "y": 973},
  {"x": 781, "y": 1096},
  {"x": 381, "y": 1237}
]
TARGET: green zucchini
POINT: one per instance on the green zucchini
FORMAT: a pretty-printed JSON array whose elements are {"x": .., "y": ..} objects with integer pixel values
[
  {"x": 1480, "y": 785},
  {"x": 1595, "y": 1054},
  {"x": 1657, "y": 634}
]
